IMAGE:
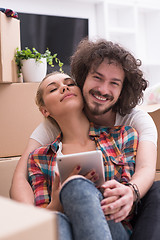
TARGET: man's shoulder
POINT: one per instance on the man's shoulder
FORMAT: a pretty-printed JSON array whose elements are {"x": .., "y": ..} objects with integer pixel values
[{"x": 129, "y": 118}]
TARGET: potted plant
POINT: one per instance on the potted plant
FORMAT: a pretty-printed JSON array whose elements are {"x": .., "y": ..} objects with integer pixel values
[{"x": 33, "y": 65}]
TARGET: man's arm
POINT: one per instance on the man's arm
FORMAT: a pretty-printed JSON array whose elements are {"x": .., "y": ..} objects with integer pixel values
[
  {"x": 143, "y": 177},
  {"x": 20, "y": 188},
  {"x": 145, "y": 166}
]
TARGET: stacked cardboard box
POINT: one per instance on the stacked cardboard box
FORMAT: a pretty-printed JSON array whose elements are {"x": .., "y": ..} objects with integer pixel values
[
  {"x": 9, "y": 41},
  {"x": 23, "y": 222},
  {"x": 19, "y": 116}
]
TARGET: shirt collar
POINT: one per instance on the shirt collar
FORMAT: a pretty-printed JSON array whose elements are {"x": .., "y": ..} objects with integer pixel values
[
  {"x": 94, "y": 131},
  {"x": 54, "y": 145}
]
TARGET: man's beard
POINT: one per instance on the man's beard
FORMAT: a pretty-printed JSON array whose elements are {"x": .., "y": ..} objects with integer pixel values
[{"x": 97, "y": 111}]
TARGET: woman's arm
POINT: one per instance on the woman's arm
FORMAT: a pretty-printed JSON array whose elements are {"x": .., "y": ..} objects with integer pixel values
[{"x": 20, "y": 188}]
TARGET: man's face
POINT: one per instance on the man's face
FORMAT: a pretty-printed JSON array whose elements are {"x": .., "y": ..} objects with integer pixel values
[{"x": 102, "y": 87}]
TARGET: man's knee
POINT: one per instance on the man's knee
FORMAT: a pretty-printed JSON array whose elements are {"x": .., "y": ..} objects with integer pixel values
[
  {"x": 154, "y": 191},
  {"x": 153, "y": 195}
]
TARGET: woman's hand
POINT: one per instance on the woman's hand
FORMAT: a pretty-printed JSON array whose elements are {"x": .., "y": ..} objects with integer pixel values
[
  {"x": 118, "y": 200},
  {"x": 91, "y": 175},
  {"x": 55, "y": 204}
]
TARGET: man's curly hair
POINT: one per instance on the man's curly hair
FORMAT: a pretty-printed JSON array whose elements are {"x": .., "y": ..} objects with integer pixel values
[{"x": 89, "y": 55}]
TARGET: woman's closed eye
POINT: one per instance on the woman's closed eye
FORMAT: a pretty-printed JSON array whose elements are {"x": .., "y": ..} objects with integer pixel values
[
  {"x": 71, "y": 84},
  {"x": 53, "y": 90}
]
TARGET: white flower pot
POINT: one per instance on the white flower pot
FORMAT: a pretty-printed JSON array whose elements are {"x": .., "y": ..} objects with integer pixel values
[{"x": 34, "y": 71}]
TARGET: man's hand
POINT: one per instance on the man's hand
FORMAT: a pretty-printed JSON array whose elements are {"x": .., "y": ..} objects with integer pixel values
[
  {"x": 105, "y": 203},
  {"x": 118, "y": 200}
]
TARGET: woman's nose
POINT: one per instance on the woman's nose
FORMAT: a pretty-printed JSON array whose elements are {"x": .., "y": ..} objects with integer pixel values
[{"x": 64, "y": 88}]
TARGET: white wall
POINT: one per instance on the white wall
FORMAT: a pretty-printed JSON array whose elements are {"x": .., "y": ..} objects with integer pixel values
[
  {"x": 69, "y": 8},
  {"x": 143, "y": 41}
]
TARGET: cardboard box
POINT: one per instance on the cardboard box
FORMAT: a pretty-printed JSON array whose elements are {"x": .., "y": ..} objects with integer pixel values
[
  {"x": 7, "y": 167},
  {"x": 154, "y": 111},
  {"x": 19, "y": 117},
  {"x": 9, "y": 41},
  {"x": 24, "y": 222},
  {"x": 157, "y": 177}
]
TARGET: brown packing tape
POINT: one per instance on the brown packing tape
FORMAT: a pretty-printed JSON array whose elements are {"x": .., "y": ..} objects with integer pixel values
[{"x": 9, "y": 41}]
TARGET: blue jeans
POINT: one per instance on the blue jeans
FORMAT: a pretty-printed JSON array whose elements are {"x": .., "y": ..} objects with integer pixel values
[{"x": 83, "y": 218}]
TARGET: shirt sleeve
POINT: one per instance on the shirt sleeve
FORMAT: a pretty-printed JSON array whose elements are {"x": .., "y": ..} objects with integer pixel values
[
  {"x": 46, "y": 132},
  {"x": 38, "y": 182},
  {"x": 129, "y": 150},
  {"x": 142, "y": 122}
]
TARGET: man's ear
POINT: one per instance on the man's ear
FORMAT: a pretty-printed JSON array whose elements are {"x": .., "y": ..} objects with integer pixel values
[{"x": 44, "y": 111}]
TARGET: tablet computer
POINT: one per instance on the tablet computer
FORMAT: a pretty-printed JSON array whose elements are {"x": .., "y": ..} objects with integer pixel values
[{"x": 88, "y": 161}]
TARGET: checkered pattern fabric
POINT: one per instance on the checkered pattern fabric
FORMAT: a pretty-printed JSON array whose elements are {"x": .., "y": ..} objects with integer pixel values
[
  {"x": 9, "y": 12},
  {"x": 118, "y": 146}
]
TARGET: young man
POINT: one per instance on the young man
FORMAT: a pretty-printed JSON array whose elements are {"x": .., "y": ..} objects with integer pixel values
[
  {"x": 112, "y": 85},
  {"x": 110, "y": 101}
]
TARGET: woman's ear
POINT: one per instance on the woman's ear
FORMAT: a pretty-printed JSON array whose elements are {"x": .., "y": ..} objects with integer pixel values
[{"x": 44, "y": 111}]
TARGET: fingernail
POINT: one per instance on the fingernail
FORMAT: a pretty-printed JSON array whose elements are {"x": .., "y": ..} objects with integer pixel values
[
  {"x": 92, "y": 173},
  {"x": 103, "y": 209},
  {"x": 78, "y": 167}
]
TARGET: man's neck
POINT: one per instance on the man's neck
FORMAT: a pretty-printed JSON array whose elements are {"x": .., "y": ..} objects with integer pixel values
[{"x": 107, "y": 119}]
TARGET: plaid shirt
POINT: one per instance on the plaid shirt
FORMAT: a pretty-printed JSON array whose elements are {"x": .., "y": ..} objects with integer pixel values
[{"x": 118, "y": 145}]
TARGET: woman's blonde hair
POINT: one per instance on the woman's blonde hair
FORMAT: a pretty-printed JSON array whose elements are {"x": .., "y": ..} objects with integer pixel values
[{"x": 39, "y": 95}]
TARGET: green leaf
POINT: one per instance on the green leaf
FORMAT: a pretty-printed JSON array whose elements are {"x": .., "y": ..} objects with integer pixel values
[{"x": 27, "y": 53}]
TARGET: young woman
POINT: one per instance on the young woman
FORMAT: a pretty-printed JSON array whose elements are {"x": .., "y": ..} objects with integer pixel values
[{"x": 83, "y": 211}]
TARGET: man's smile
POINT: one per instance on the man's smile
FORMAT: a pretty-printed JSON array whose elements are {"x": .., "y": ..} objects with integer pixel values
[{"x": 100, "y": 97}]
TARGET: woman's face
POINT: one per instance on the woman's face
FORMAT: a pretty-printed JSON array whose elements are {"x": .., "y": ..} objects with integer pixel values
[{"x": 60, "y": 96}]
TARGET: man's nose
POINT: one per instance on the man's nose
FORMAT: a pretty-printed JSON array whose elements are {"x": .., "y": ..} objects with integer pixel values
[{"x": 104, "y": 88}]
